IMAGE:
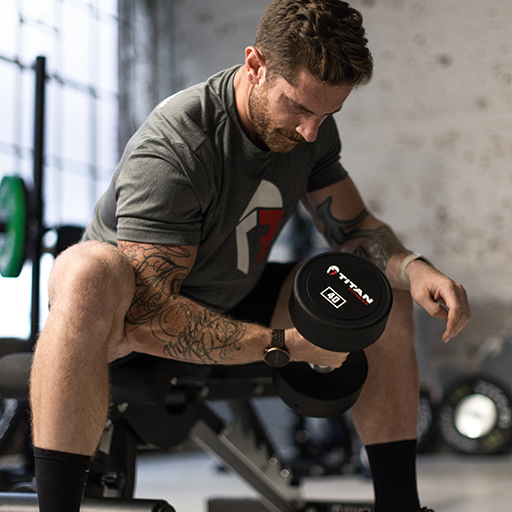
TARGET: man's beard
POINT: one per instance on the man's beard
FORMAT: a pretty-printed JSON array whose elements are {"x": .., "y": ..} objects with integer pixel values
[{"x": 266, "y": 131}]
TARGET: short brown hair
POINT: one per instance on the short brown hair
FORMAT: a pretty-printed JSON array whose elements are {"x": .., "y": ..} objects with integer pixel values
[{"x": 324, "y": 37}]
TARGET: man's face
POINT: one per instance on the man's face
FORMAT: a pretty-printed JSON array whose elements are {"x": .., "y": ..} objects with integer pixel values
[{"x": 284, "y": 115}]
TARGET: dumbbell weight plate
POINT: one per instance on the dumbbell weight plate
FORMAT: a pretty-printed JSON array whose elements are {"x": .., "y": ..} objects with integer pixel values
[
  {"x": 321, "y": 395},
  {"x": 340, "y": 302},
  {"x": 13, "y": 220}
]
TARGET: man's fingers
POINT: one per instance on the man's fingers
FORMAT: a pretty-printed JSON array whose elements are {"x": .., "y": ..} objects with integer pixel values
[
  {"x": 457, "y": 320},
  {"x": 448, "y": 303},
  {"x": 459, "y": 312},
  {"x": 436, "y": 310}
]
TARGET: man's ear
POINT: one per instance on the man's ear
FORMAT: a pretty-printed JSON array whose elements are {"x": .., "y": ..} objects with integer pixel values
[{"x": 255, "y": 66}]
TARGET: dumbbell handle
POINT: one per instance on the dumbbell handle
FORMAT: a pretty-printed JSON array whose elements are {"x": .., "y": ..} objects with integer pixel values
[{"x": 320, "y": 368}]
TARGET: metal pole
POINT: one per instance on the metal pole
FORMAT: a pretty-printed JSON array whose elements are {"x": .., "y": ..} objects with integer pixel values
[{"x": 38, "y": 227}]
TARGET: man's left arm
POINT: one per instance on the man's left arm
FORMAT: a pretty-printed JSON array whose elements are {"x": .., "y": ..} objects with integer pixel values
[{"x": 340, "y": 214}]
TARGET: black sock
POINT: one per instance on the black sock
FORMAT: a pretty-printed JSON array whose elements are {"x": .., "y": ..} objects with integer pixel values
[
  {"x": 60, "y": 480},
  {"x": 393, "y": 467}
]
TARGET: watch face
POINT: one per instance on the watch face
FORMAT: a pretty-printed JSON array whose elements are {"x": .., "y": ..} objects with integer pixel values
[{"x": 276, "y": 357}]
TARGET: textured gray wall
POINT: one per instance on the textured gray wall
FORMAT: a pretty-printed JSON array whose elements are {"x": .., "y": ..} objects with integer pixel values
[{"x": 213, "y": 35}]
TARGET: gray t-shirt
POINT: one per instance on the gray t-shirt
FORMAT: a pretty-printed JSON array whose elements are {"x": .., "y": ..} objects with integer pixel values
[{"x": 190, "y": 176}]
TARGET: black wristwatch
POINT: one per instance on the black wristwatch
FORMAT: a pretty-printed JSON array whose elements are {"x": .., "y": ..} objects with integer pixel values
[{"x": 276, "y": 354}]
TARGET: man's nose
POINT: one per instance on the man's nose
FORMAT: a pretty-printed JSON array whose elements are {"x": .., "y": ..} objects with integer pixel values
[{"x": 308, "y": 128}]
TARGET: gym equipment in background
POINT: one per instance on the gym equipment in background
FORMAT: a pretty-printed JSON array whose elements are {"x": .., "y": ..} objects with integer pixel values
[
  {"x": 22, "y": 226},
  {"x": 475, "y": 415}
]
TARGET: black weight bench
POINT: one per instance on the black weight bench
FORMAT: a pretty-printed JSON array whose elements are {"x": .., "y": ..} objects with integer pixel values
[{"x": 161, "y": 402}]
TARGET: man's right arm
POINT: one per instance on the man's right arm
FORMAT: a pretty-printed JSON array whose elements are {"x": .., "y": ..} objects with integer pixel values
[{"x": 163, "y": 323}]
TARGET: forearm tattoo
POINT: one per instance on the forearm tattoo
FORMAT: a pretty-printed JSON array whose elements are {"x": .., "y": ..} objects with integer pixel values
[
  {"x": 187, "y": 331},
  {"x": 377, "y": 245}
]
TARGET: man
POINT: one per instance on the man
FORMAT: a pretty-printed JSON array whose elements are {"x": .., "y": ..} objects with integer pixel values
[{"x": 178, "y": 247}]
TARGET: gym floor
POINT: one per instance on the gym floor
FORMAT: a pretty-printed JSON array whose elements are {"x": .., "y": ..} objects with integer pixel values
[{"x": 447, "y": 482}]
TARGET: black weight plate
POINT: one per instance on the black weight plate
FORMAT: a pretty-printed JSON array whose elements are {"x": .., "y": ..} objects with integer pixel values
[
  {"x": 475, "y": 416},
  {"x": 427, "y": 423},
  {"x": 321, "y": 395},
  {"x": 340, "y": 301}
]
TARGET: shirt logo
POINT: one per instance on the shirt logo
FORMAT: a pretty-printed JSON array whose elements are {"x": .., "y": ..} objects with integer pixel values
[{"x": 264, "y": 209}]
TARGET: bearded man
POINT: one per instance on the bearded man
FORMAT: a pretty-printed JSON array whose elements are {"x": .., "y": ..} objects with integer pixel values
[{"x": 178, "y": 247}]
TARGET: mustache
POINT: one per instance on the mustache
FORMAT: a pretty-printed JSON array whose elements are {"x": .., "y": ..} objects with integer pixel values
[{"x": 296, "y": 137}]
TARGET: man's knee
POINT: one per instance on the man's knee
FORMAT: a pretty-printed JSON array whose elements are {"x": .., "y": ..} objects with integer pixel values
[
  {"x": 91, "y": 273},
  {"x": 398, "y": 336},
  {"x": 401, "y": 316}
]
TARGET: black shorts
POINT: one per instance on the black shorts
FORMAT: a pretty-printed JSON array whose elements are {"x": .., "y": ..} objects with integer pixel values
[{"x": 259, "y": 305}]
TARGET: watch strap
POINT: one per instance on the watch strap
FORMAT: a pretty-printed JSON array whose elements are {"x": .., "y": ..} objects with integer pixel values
[
  {"x": 277, "y": 338},
  {"x": 276, "y": 354}
]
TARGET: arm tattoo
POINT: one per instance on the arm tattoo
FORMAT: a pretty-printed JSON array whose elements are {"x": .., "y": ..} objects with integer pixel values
[
  {"x": 207, "y": 337},
  {"x": 335, "y": 230},
  {"x": 157, "y": 278},
  {"x": 377, "y": 245},
  {"x": 187, "y": 330}
]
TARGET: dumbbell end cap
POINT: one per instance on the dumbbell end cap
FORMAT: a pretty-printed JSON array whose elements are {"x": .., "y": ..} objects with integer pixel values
[{"x": 340, "y": 302}]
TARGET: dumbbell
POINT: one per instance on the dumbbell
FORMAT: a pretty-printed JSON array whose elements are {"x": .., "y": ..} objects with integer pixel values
[{"x": 339, "y": 302}]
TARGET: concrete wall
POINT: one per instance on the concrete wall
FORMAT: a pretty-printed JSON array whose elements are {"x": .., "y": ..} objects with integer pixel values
[
  {"x": 146, "y": 33},
  {"x": 428, "y": 142}
]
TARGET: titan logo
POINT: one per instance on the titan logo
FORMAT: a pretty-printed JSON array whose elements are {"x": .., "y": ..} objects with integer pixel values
[{"x": 356, "y": 290}]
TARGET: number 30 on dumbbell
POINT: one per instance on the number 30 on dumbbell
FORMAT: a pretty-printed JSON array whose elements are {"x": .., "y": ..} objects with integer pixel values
[{"x": 339, "y": 302}]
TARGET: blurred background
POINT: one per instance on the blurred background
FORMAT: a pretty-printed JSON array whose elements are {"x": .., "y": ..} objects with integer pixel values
[{"x": 428, "y": 141}]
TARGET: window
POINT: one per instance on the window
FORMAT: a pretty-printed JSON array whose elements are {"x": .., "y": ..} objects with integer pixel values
[{"x": 79, "y": 40}]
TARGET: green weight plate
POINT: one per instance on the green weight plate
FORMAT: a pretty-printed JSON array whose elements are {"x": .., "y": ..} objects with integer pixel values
[{"x": 13, "y": 221}]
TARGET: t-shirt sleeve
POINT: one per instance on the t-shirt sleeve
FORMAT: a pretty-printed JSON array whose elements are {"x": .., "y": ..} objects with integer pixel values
[
  {"x": 156, "y": 203},
  {"x": 327, "y": 167}
]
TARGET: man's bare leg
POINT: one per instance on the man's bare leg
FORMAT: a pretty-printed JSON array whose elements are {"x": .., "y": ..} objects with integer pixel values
[
  {"x": 386, "y": 412},
  {"x": 90, "y": 290},
  {"x": 387, "y": 409}
]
